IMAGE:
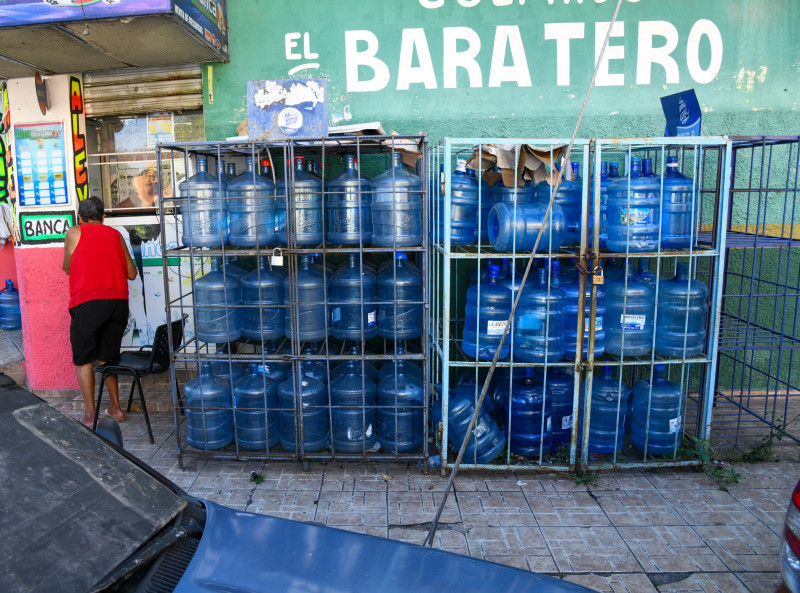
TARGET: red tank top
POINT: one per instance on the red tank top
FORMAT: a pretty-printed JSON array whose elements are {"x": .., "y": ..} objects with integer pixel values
[{"x": 98, "y": 269}]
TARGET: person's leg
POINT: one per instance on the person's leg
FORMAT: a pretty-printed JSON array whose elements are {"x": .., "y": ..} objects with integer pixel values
[
  {"x": 113, "y": 397},
  {"x": 86, "y": 382},
  {"x": 109, "y": 349}
]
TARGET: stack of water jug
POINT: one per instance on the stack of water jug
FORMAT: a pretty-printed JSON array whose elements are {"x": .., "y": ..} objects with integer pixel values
[
  {"x": 292, "y": 326},
  {"x": 655, "y": 318}
]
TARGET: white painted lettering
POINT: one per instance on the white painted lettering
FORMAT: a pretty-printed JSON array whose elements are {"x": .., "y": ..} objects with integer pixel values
[
  {"x": 509, "y": 37},
  {"x": 291, "y": 42},
  {"x": 368, "y": 58},
  {"x": 563, "y": 33},
  {"x": 414, "y": 42},
  {"x": 648, "y": 55},
  {"x": 432, "y": 3},
  {"x": 307, "y": 53},
  {"x": 613, "y": 52},
  {"x": 468, "y": 3},
  {"x": 453, "y": 59},
  {"x": 704, "y": 28}
]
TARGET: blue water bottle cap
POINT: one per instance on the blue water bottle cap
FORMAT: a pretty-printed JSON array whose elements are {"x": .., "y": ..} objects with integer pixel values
[
  {"x": 555, "y": 266},
  {"x": 576, "y": 168},
  {"x": 672, "y": 159},
  {"x": 494, "y": 271},
  {"x": 205, "y": 368},
  {"x": 10, "y": 285},
  {"x": 527, "y": 372},
  {"x": 603, "y": 168},
  {"x": 400, "y": 255}
]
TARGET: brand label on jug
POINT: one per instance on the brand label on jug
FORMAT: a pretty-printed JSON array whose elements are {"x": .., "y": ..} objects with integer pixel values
[
  {"x": 371, "y": 318},
  {"x": 636, "y": 322},
  {"x": 336, "y": 314},
  {"x": 675, "y": 424},
  {"x": 598, "y": 324},
  {"x": 566, "y": 422},
  {"x": 634, "y": 215},
  {"x": 496, "y": 327}
]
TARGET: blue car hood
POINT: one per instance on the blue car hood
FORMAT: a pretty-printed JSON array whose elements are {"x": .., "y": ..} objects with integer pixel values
[{"x": 242, "y": 552}]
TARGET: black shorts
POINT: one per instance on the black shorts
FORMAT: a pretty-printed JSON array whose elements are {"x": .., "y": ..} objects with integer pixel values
[{"x": 96, "y": 330}]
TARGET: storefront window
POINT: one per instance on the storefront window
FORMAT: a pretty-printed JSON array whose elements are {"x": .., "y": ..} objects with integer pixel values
[{"x": 122, "y": 164}]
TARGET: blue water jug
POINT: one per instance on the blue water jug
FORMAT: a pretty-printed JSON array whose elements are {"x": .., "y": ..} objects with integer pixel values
[
  {"x": 645, "y": 275},
  {"x": 486, "y": 441},
  {"x": 486, "y": 317},
  {"x": 607, "y": 413},
  {"x": 231, "y": 267},
  {"x": 678, "y": 208},
  {"x": 352, "y": 295},
  {"x": 252, "y": 208},
  {"x": 571, "y": 289},
  {"x": 312, "y": 405},
  {"x": 539, "y": 322},
  {"x": 204, "y": 211},
  {"x": 605, "y": 182},
  {"x": 568, "y": 197},
  {"x": 561, "y": 388},
  {"x": 10, "y": 315},
  {"x": 634, "y": 212},
  {"x": 263, "y": 296},
  {"x": 614, "y": 270},
  {"x": 397, "y": 207},
  {"x": 309, "y": 298},
  {"x": 401, "y": 412},
  {"x": 400, "y": 310},
  {"x": 349, "y": 206},
  {"x": 209, "y": 417},
  {"x": 501, "y": 193},
  {"x": 275, "y": 370},
  {"x": 657, "y": 417},
  {"x": 517, "y": 227},
  {"x": 631, "y": 305},
  {"x": 463, "y": 207},
  {"x": 313, "y": 369},
  {"x": 682, "y": 312},
  {"x": 305, "y": 207},
  {"x": 531, "y": 417},
  {"x": 255, "y": 398},
  {"x": 227, "y": 372},
  {"x": 647, "y": 167},
  {"x": 483, "y": 266},
  {"x": 484, "y": 205},
  {"x": 217, "y": 300},
  {"x": 389, "y": 368},
  {"x": 353, "y": 413},
  {"x": 364, "y": 367}
]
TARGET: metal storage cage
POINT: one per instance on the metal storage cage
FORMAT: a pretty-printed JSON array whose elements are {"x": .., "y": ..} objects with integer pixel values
[
  {"x": 547, "y": 423},
  {"x": 376, "y": 428},
  {"x": 758, "y": 382}
]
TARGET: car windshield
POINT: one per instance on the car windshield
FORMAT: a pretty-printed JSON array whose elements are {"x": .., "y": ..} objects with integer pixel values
[{"x": 73, "y": 508}]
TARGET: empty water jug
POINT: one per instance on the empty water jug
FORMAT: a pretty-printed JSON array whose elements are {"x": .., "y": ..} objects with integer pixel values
[
  {"x": 349, "y": 206},
  {"x": 401, "y": 412},
  {"x": 353, "y": 413},
  {"x": 484, "y": 205},
  {"x": 645, "y": 275},
  {"x": 209, "y": 417},
  {"x": 486, "y": 441},
  {"x": 530, "y": 431},
  {"x": 561, "y": 388},
  {"x": 607, "y": 412},
  {"x": 517, "y": 227},
  {"x": 501, "y": 193},
  {"x": 463, "y": 205},
  {"x": 631, "y": 304},
  {"x": 352, "y": 295},
  {"x": 568, "y": 197},
  {"x": 487, "y": 311},
  {"x": 255, "y": 398},
  {"x": 657, "y": 416},
  {"x": 647, "y": 167},
  {"x": 571, "y": 289},
  {"x": 219, "y": 318},
  {"x": 227, "y": 371},
  {"x": 305, "y": 206},
  {"x": 230, "y": 266},
  {"x": 605, "y": 182},
  {"x": 303, "y": 419},
  {"x": 678, "y": 208},
  {"x": 314, "y": 369},
  {"x": 634, "y": 212},
  {"x": 252, "y": 208},
  {"x": 483, "y": 266},
  {"x": 364, "y": 367},
  {"x": 682, "y": 312},
  {"x": 263, "y": 296},
  {"x": 539, "y": 322},
  {"x": 389, "y": 368},
  {"x": 308, "y": 294},
  {"x": 400, "y": 310},
  {"x": 204, "y": 211},
  {"x": 275, "y": 370},
  {"x": 10, "y": 316},
  {"x": 397, "y": 207}
]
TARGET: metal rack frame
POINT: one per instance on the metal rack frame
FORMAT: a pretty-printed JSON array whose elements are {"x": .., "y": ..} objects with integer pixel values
[{"x": 193, "y": 262}]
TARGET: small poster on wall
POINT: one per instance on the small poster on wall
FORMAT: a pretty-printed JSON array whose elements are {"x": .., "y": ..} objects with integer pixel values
[
  {"x": 160, "y": 128},
  {"x": 40, "y": 164}
]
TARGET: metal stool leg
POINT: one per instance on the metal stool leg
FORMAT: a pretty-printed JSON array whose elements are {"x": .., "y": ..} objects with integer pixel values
[
  {"x": 130, "y": 395},
  {"x": 144, "y": 410},
  {"x": 99, "y": 400}
]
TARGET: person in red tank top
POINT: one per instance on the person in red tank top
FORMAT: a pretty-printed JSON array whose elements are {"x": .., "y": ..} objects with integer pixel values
[{"x": 99, "y": 266}]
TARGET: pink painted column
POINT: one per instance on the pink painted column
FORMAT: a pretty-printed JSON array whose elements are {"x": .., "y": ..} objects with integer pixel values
[
  {"x": 44, "y": 296},
  {"x": 8, "y": 266}
]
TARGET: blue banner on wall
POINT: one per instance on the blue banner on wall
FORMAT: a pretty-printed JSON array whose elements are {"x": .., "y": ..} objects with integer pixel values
[
  {"x": 281, "y": 109},
  {"x": 28, "y": 12},
  {"x": 207, "y": 18}
]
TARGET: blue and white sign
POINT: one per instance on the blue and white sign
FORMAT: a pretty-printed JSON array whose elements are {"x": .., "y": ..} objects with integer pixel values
[
  {"x": 41, "y": 164},
  {"x": 283, "y": 109}
]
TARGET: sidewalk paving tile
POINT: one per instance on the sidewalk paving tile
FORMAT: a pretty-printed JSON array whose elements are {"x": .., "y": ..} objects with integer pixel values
[
  {"x": 567, "y": 508},
  {"x": 593, "y": 549},
  {"x": 751, "y": 548},
  {"x": 670, "y": 549},
  {"x": 618, "y": 583},
  {"x": 706, "y": 582}
]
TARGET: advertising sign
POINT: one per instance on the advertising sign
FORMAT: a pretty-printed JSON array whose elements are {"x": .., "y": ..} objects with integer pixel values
[
  {"x": 208, "y": 20},
  {"x": 28, "y": 12},
  {"x": 281, "y": 109},
  {"x": 40, "y": 164},
  {"x": 44, "y": 227}
]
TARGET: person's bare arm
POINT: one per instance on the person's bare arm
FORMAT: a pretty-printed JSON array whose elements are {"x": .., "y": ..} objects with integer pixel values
[
  {"x": 70, "y": 243},
  {"x": 128, "y": 260}
]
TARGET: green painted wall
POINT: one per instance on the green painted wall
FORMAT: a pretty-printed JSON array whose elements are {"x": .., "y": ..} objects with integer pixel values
[{"x": 741, "y": 56}]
